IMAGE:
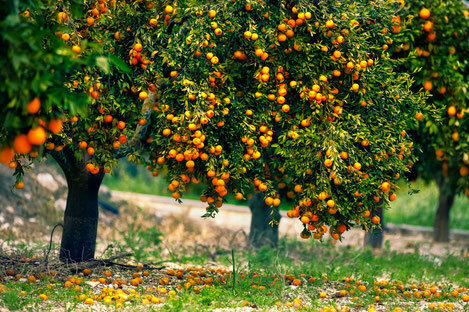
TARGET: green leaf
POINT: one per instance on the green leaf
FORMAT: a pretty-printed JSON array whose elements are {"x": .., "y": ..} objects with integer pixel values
[
  {"x": 103, "y": 63},
  {"x": 119, "y": 64}
]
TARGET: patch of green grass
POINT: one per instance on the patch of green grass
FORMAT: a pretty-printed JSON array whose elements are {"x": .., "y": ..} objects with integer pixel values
[
  {"x": 259, "y": 281},
  {"x": 420, "y": 208},
  {"x": 320, "y": 258}
]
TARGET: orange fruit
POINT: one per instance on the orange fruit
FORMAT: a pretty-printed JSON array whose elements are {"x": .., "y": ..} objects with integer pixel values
[
  {"x": 428, "y": 85},
  {"x": 341, "y": 228},
  {"x": 143, "y": 95},
  {"x": 168, "y": 9},
  {"x": 376, "y": 219},
  {"x": 428, "y": 26},
  {"x": 37, "y": 136},
  {"x": 138, "y": 47},
  {"x": 76, "y": 49},
  {"x": 62, "y": 16},
  {"x": 34, "y": 106},
  {"x": 6, "y": 155},
  {"x": 19, "y": 185},
  {"x": 121, "y": 125},
  {"x": 424, "y": 13},
  {"x": 108, "y": 119},
  {"x": 385, "y": 186},
  {"x": 451, "y": 110},
  {"x": 21, "y": 144},
  {"x": 89, "y": 167},
  {"x": 55, "y": 126},
  {"x": 463, "y": 171}
]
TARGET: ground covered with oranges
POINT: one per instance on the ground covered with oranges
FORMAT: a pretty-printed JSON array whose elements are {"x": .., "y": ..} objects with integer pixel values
[{"x": 298, "y": 276}]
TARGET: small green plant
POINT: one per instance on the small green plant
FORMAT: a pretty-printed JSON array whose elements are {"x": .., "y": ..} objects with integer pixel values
[{"x": 142, "y": 241}]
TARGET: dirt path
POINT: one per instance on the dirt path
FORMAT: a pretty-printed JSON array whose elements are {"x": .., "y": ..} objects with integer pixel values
[{"x": 238, "y": 218}]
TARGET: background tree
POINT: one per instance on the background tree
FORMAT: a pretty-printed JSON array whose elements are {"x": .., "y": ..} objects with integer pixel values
[
  {"x": 239, "y": 96},
  {"x": 437, "y": 39}
]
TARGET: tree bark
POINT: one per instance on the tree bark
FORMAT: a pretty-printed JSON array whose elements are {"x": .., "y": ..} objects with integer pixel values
[
  {"x": 81, "y": 217},
  {"x": 375, "y": 238},
  {"x": 262, "y": 232},
  {"x": 80, "y": 224},
  {"x": 441, "y": 223}
]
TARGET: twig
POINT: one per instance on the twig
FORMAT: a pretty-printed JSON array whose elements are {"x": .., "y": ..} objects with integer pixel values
[{"x": 46, "y": 260}]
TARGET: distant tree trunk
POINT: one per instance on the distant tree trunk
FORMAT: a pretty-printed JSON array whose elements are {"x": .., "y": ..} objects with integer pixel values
[
  {"x": 375, "y": 238},
  {"x": 441, "y": 223},
  {"x": 81, "y": 212},
  {"x": 262, "y": 232}
]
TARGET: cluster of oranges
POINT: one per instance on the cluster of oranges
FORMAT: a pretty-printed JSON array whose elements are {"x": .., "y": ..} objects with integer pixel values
[
  {"x": 29, "y": 143},
  {"x": 287, "y": 102}
]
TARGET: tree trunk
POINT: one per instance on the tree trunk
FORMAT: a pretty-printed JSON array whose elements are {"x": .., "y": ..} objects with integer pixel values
[
  {"x": 441, "y": 224},
  {"x": 263, "y": 233},
  {"x": 80, "y": 224},
  {"x": 375, "y": 238},
  {"x": 81, "y": 217}
]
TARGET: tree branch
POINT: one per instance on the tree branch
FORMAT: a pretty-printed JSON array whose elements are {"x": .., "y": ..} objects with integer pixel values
[
  {"x": 141, "y": 131},
  {"x": 63, "y": 162}
]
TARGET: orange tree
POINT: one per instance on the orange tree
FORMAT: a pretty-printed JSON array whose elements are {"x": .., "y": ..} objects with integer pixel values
[
  {"x": 437, "y": 39},
  {"x": 240, "y": 96}
]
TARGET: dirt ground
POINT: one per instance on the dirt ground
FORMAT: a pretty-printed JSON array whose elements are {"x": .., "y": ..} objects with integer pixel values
[
  {"x": 237, "y": 219},
  {"x": 28, "y": 216}
]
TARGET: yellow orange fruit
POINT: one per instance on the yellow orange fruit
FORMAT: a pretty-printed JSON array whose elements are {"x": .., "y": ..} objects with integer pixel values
[{"x": 34, "y": 106}]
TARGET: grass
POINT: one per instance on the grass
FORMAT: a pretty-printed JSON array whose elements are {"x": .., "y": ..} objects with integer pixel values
[
  {"x": 420, "y": 208},
  {"x": 264, "y": 281},
  {"x": 416, "y": 209}
]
